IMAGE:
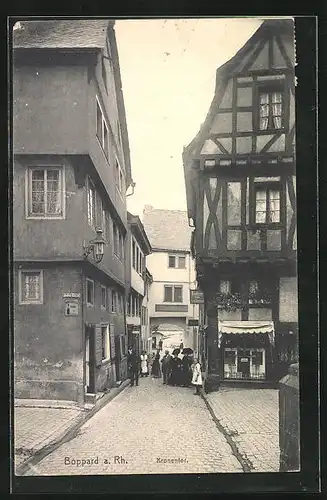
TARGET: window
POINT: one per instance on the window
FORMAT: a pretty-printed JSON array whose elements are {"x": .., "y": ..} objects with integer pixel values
[
  {"x": 225, "y": 287},
  {"x": 105, "y": 341},
  {"x": 120, "y": 182},
  {"x": 45, "y": 192},
  {"x": 181, "y": 262},
  {"x": 133, "y": 254},
  {"x": 171, "y": 261},
  {"x": 108, "y": 300},
  {"x": 90, "y": 292},
  {"x": 102, "y": 130},
  {"x": 173, "y": 293},
  {"x": 31, "y": 287},
  {"x": 270, "y": 109},
  {"x": 103, "y": 297},
  {"x": 267, "y": 204},
  {"x": 115, "y": 235},
  {"x": 107, "y": 226},
  {"x": 113, "y": 301},
  {"x": 104, "y": 224},
  {"x": 105, "y": 139},
  {"x": 104, "y": 74},
  {"x": 91, "y": 204},
  {"x": 175, "y": 261},
  {"x": 99, "y": 123}
]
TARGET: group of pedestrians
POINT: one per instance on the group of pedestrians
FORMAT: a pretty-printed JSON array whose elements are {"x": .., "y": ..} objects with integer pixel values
[{"x": 176, "y": 371}]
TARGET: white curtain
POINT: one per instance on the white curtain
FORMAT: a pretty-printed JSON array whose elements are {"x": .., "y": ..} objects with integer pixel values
[
  {"x": 277, "y": 109},
  {"x": 274, "y": 206},
  {"x": 264, "y": 111},
  {"x": 53, "y": 192},
  {"x": 260, "y": 206},
  {"x": 37, "y": 191}
]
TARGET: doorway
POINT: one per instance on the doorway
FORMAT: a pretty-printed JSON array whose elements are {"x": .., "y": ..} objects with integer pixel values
[
  {"x": 243, "y": 362},
  {"x": 90, "y": 359},
  {"x": 117, "y": 357}
]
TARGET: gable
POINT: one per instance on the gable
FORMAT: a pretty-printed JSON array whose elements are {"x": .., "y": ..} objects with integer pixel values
[{"x": 270, "y": 58}]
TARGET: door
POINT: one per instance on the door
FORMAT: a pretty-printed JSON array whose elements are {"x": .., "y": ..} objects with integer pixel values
[
  {"x": 117, "y": 357},
  {"x": 90, "y": 359},
  {"x": 243, "y": 362}
]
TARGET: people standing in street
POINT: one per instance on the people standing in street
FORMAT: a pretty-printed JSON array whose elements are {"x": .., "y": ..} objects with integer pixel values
[
  {"x": 197, "y": 376},
  {"x": 186, "y": 371},
  {"x": 166, "y": 366},
  {"x": 160, "y": 345},
  {"x": 156, "y": 372},
  {"x": 181, "y": 345},
  {"x": 176, "y": 371},
  {"x": 134, "y": 363},
  {"x": 144, "y": 364}
]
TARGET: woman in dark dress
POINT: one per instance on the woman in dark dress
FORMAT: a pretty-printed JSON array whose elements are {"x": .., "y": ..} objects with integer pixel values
[
  {"x": 156, "y": 371},
  {"x": 186, "y": 371},
  {"x": 176, "y": 371}
]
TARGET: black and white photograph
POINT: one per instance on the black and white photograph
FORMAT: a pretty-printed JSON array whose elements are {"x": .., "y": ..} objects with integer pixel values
[{"x": 155, "y": 283}]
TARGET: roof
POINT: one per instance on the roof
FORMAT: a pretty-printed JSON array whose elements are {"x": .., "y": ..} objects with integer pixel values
[
  {"x": 167, "y": 229},
  {"x": 68, "y": 33},
  {"x": 139, "y": 231}
]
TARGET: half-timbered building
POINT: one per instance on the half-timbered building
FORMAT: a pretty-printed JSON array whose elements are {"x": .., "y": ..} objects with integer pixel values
[{"x": 241, "y": 192}]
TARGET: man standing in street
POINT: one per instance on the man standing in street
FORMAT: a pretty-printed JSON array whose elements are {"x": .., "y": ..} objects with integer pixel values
[
  {"x": 134, "y": 364},
  {"x": 166, "y": 366}
]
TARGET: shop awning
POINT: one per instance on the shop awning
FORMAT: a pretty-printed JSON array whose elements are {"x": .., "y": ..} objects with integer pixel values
[{"x": 247, "y": 327}]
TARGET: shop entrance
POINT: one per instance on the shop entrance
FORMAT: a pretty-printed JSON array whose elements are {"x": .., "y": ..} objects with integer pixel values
[{"x": 243, "y": 362}]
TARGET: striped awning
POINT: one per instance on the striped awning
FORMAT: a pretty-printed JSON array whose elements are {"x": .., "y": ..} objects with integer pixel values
[{"x": 247, "y": 327}]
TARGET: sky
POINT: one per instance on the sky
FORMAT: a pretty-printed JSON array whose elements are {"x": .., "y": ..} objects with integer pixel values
[{"x": 168, "y": 69}]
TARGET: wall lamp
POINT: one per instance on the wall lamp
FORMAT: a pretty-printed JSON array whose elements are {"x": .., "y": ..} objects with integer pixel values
[{"x": 95, "y": 246}]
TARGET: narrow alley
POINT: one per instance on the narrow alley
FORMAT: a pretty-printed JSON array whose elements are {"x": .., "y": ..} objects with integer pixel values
[{"x": 149, "y": 429}]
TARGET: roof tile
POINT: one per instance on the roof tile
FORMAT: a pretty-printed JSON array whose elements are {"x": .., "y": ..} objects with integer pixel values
[
  {"x": 167, "y": 229},
  {"x": 81, "y": 33}
]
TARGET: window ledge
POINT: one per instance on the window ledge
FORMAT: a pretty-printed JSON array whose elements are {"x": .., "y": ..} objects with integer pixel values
[
  {"x": 105, "y": 361},
  {"x": 30, "y": 302},
  {"x": 45, "y": 217}
]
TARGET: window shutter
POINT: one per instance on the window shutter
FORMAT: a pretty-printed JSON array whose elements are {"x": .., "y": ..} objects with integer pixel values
[
  {"x": 112, "y": 342},
  {"x": 98, "y": 345}
]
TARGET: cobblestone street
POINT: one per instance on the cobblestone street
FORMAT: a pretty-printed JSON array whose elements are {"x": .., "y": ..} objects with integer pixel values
[{"x": 144, "y": 426}]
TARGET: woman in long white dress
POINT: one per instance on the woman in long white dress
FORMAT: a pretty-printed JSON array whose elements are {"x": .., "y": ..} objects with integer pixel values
[
  {"x": 144, "y": 364},
  {"x": 197, "y": 376}
]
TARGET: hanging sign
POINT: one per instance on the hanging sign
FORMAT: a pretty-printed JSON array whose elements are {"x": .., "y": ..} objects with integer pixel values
[
  {"x": 196, "y": 297},
  {"x": 71, "y": 295}
]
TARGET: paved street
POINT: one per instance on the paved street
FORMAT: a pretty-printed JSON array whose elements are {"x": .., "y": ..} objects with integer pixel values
[
  {"x": 250, "y": 418},
  {"x": 145, "y": 428}
]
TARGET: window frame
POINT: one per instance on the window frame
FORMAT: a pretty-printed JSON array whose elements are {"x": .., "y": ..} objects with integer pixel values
[
  {"x": 90, "y": 185},
  {"x": 21, "y": 296},
  {"x": 267, "y": 187},
  {"x": 89, "y": 280},
  {"x": 114, "y": 301},
  {"x": 269, "y": 87},
  {"x": 173, "y": 288},
  {"x": 104, "y": 125},
  {"x": 172, "y": 257},
  {"x": 28, "y": 191},
  {"x": 103, "y": 304},
  {"x": 107, "y": 342}
]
